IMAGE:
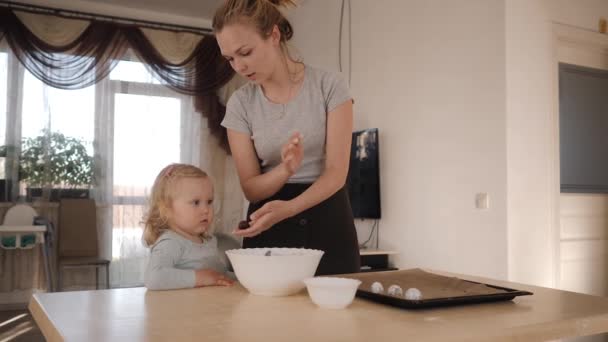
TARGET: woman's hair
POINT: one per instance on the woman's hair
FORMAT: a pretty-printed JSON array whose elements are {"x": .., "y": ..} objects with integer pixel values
[
  {"x": 156, "y": 219},
  {"x": 262, "y": 14}
]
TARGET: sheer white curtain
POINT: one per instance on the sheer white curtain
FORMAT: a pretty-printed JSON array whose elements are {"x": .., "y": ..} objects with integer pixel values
[
  {"x": 29, "y": 109},
  {"x": 133, "y": 126},
  {"x": 141, "y": 126},
  {"x": 232, "y": 204},
  {"x": 148, "y": 126}
]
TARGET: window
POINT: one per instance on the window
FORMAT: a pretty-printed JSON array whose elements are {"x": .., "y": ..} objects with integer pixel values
[
  {"x": 70, "y": 112},
  {"x": 139, "y": 154},
  {"x": 66, "y": 117},
  {"x": 131, "y": 71},
  {"x": 152, "y": 127},
  {"x": 129, "y": 122}
]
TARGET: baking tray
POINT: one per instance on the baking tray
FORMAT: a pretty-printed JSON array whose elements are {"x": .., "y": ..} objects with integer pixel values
[{"x": 437, "y": 290}]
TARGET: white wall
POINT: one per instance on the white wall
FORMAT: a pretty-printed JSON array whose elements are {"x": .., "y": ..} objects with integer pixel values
[
  {"x": 318, "y": 45},
  {"x": 464, "y": 96},
  {"x": 316, "y": 32},
  {"x": 430, "y": 75},
  {"x": 462, "y": 93},
  {"x": 532, "y": 176}
]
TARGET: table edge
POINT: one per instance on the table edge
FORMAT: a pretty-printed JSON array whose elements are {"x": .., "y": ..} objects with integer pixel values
[{"x": 45, "y": 324}]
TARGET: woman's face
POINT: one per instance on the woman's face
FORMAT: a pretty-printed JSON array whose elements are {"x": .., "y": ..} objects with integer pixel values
[{"x": 249, "y": 54}]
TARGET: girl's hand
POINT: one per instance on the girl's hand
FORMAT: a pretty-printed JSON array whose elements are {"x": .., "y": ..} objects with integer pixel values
[
  {"x": 267, "y": 216},
  {"x": 209, "y": 277},
  {"x": 292, "y": 153}
]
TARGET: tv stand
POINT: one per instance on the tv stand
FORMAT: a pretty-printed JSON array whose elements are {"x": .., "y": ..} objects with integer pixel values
[{"x": 375, "y": 260}]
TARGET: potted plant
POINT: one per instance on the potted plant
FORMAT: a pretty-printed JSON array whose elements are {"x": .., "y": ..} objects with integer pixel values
[{"x": 52, "y": 160}]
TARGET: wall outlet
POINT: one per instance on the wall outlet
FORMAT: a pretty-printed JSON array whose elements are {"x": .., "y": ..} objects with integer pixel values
[{"x": 482, "y": 200}]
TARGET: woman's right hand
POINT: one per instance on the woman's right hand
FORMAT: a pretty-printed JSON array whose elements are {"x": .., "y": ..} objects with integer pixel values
[
  {"x": 292, "y": 153},
  {"x": 265, "y": 217},
  {"x": 209, "y": 277}
]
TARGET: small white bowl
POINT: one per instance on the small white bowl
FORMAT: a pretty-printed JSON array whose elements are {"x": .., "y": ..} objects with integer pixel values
[
  {"x": 274, "y": 271},
  {"x": 332, "y": 292}
]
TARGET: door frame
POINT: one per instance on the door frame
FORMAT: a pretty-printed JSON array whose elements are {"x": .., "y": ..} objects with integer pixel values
[{"x": 578, "y": 46}]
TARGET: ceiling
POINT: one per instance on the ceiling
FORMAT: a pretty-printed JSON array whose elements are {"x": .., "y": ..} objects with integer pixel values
[{"x": 193, "y": 13}]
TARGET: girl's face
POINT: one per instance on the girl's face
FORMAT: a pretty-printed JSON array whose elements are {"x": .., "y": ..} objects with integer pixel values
[
  {"x": 249, "y": 54},
  {"x": 191, "y": 210}
]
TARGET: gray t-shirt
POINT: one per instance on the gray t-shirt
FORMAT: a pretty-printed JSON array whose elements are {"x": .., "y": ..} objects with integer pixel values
[
  {"x": 173, "y": 260},
  {"x": 270, "y": 125}
]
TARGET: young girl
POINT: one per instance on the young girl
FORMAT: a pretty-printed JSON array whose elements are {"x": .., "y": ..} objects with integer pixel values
[
  {"x": 183, "y": 253},
  {"x": 289, "y": 131}
]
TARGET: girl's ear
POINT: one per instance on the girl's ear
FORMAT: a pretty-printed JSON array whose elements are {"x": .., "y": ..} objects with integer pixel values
[{"x": 165, "y": 210}]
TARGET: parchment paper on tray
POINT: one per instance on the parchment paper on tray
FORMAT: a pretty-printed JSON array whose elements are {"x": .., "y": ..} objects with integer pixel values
[{"x": 437, "y": 290}]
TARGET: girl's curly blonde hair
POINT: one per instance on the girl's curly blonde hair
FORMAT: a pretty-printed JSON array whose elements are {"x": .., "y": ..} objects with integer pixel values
[{"x": 156, "y": 219}]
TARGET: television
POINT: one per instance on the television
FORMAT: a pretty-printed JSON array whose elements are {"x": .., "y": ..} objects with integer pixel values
[{"x": 363, "y": 180}]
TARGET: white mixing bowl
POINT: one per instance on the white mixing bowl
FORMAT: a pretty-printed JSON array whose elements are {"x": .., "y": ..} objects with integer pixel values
[
  {"x": 274, "y": 271},
  {"x": 332, "y": 292}
]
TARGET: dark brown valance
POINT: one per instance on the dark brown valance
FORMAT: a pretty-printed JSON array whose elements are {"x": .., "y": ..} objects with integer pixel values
[{"x": 91, "y": 55}]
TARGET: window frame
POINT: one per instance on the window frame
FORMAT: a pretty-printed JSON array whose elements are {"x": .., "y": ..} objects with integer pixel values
[{"x": 115, "y": 87}]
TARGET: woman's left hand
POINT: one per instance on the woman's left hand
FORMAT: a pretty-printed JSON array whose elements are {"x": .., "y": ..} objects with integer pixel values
[{"x": 266, "y": 217}]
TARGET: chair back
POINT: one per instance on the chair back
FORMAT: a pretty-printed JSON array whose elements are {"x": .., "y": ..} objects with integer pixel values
[
  {"x": 20, "y": 215},
  {"x": 77, "y": 232}
]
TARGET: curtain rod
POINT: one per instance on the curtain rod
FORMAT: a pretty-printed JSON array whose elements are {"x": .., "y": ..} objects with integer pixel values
[{"x": 70, "y": 14}]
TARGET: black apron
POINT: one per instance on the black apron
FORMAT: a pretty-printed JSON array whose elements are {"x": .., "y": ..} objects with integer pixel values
[{"x": 329, "y": 226}]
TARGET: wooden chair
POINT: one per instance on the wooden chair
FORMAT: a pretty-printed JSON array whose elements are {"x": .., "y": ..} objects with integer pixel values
[{"x": 78, "y": 240}]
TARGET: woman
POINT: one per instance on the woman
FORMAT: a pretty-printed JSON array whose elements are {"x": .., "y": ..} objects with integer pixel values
[{"x": 289, "y": 131}]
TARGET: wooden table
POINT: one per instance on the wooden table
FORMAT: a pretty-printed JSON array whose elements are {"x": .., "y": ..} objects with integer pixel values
[{"x": 232, "y": 314}]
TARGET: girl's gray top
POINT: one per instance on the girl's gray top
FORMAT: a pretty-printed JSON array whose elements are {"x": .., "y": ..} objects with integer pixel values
[
  {"x": 173, "y": 260},
  {"x": 270, "y": 125}
]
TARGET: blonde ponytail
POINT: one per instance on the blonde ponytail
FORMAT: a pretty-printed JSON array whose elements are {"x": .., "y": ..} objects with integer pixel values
[
  {"x": 262, "y": 14},
  {"x": 282, "y": 3}
]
